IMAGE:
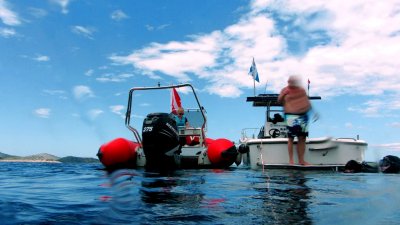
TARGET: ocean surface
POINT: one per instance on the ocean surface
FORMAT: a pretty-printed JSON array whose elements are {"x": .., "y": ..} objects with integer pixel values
[{"x": 50, "y": 193}]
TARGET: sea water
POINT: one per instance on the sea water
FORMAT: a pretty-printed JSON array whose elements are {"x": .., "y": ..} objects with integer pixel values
[{"x": 60, "y": 193}]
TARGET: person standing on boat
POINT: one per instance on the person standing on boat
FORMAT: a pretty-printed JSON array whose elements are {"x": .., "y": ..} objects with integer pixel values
[
  {"x": 296, "y": 106},
  {"x": 180, "y": 118},
  {"x": 181, "y": 122}
]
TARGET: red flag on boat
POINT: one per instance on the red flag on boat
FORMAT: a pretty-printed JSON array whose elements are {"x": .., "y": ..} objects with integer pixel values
[{"x": 175, "y": 101}]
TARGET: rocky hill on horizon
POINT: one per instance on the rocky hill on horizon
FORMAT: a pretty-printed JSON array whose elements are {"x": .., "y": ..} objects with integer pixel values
[
  {"x": 42, "y": 156},
  {"x": 45, "y": 157},
  {"x": 3, "y": 155}
]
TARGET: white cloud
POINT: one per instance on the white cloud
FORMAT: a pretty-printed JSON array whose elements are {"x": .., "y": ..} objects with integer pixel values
[
  {"x": 225, "y": 90},
  {"x": 389, "y": 146},
  {"x": 118, "y": 109},
  {"x": 114, "y": 78},
  {"x": 259, "y": 5},
  {"x": 152, "y": 28},
  {"x": 138, "y": 116},
  {"x": 42, "y": 58},
  {"x": 184, "y": 90},
  {"x": 59, "y": 93},
  {"x": 36, "y": 12},
  {"x": 222, "y": 58},
  {"x": 89, "y": 72},
  {"x": 395, "y": 124},
  {"x": 8, "y": 16},
  {"x": 347, "y": 48},
  {"x": 94, "y": 113},
  {"x": 42, "y": 112},
  {"x": 348, "y": 125},
  {"x": 84, "y": 31},
  {"x": 54, "y": 92},
  {"x": 118, "y": 15},
  {"x": 174, "y": 59},
  {"x": 63, "y": 4},
  {"x": 370, "y": 108},
  {"x": 82, "y": 92},
  {"x": 380, "y": 106},
  {"x": 7, "y": 32},
  {"x": 149, "y": 28}
]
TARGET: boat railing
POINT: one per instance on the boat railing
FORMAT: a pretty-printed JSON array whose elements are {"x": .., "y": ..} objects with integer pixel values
[
  {"x": 130, "y": 102},
  {"x": 135, "y": 134},
  {"x": 248, "y": 133},
  {"x": 342, "y": 138}
]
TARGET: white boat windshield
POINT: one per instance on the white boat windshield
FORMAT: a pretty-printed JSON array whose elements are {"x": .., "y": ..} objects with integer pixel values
[{"x": 194, "y": 117}]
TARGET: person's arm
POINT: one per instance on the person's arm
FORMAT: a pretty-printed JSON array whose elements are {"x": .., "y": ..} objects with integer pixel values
[
  {"x": 282, "y": 95},
  {"x": 186, "y": 123}
]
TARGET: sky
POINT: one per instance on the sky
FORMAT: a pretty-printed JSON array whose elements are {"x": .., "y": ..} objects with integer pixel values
[{"x": 66, "y": 67}]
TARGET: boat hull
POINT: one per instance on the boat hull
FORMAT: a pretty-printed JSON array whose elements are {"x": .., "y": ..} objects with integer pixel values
[
  {"x": 319, "y": 152},
  {"x": 122, "y": 153}
]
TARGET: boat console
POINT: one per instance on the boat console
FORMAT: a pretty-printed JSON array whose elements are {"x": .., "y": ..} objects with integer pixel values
[
  {"x": 275, "y": 126},
  {"x": 189, "y": 132}
]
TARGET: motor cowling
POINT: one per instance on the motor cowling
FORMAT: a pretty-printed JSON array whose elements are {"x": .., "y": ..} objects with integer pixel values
[{"x": 160, "y": 141}]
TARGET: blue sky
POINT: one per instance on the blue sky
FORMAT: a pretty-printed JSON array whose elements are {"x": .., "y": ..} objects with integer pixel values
[{"x": 66, "y": 66}]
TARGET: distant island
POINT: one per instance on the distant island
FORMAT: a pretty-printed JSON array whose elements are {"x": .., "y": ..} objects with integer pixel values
[{"x": 44, "y": 157}]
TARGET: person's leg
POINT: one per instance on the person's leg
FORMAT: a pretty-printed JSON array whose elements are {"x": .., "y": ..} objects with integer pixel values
[
  {"x": 290, "y": 150},
  {"x": 301, "y": 148}
]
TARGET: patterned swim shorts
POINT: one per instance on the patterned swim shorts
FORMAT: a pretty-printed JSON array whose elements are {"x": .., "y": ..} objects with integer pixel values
[{"x": 297, "y": 124}]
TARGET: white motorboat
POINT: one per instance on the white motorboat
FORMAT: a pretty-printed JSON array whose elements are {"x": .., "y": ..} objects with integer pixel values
[{"x": 266, "y": 147}]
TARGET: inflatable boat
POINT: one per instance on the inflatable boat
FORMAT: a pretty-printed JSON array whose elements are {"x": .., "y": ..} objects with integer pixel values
[{"x": 162, "y": 145}]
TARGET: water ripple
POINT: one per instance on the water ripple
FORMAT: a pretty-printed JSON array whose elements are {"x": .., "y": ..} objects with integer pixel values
[{"x": 43, "y": 193}]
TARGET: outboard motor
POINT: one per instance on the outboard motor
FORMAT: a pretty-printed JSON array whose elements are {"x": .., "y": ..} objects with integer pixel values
[{"x": 160, "y": 142}]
